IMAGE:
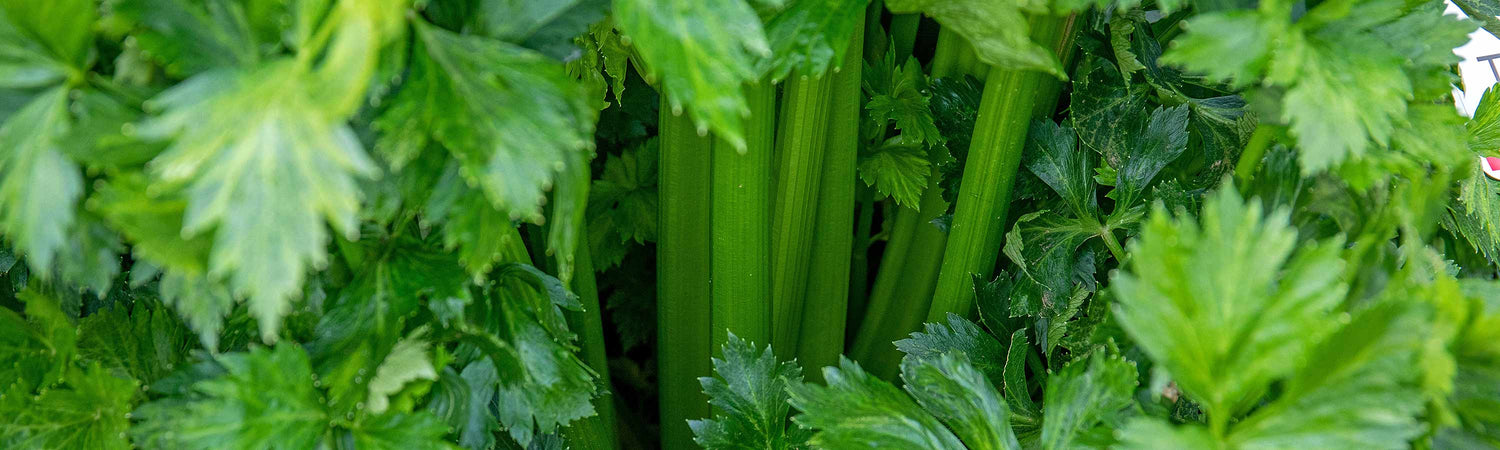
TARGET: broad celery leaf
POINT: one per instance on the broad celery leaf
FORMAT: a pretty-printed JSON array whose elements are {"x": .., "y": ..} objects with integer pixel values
[
  {"x": 147, "y": 342},
  {"x": 90, "y": 410},
  {"x": 898, "y": 96},
  {"x": 1238, "y": 44},
  {"x": 810, "y": 36},
  {"x": 857, "y": 410},
  {"x": 201, "y": 302},
  {"x": 1087, "y": 392},
  {"x": 401, "y": 431},
  {"x": 39, "y": 186},
  {"x": 1194, "y": 295},
  {"x": 264, "y": 398},
  {"x": 1104, "y": 110},
  {"x": 998, "y": 30},
  {"x": 40, "y": 345},
  {"x": 1356, "y": 388},
  {"x": 750, "y": 391},
  {"x": 510, "y": 153},
  {"x": 92, "y": 259},
  {"x": 1156, "y": 143},
  {"x": 1017, "y": 394},
  {"x": 701, "y": 52},
  {"x": 362, "y": 326},
  {"x": 963, "y": 398},
  {"x": 1307, "y": 66},
  {"x": 1055, "y": 157},
  {"x": 548, "y": 27},
  {"x": 981, "y": 350},
  {"x": 1043, "y": 245},
  {"x": 541, "y": 383},
  {"x": 408, "y": 361},
  {"x": 264, "y": 165},
  {"x": 897, "y": 170},
  {"x": 481, "y": 234},
  {"x": 65, "y": 28},
  {"x": 152, "y": 223},
  {"x": 187, "y": 37},
  {"x": 26, "y": 61},
  {"x": 623, "y": 204}
]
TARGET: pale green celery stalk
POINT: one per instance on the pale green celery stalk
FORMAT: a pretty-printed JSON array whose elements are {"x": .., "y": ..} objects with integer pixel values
[
  {"x": 826, "y": 302},
  {"x": 859, "y": 263},
  {"x": 598, "y": 431},
  {"x": 1011, "y": 99},
  {"x": 682, "y": 276},
  {"x": 801, "y": 139},
  {"x": 914, "y": 252},
  {"x": 741, "y": 265},
  {"x": 904, "y": 34}
]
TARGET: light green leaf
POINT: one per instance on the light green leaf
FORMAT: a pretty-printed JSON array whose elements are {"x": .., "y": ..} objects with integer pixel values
[
  {"x": 749, "y": 393},
  {"x": 40, "y": 345},
  {"x": 38, "y": 185},
  {"x": 1356, "y": 390},
  {"x": 898, "y": 95},
  {"x": 856, "y": 410},
  {"x": 401, "y": 431},
  {"x": 701, "y": 52},
  {"x": 1195, "y": 294},
  {"x": 187, "y": 37},
  {"x": 91, "y": 410},
  {"x": 980, "y": 350},
  {"x": 810, "y": 36},
  {"x": 1084, "y": 394},
  {"x": 959, "y": 395},
  {"x": 407, "y": 361},
  {"x": 264, "y": 166},
  {"x": 64, "y": 27},
  {"x": 511, "y": 153},
  {"x": 998, "y": 31},
  {"x": 1233, "y": 46},
  {"x": 201, "y": 302},
  {"x": 897, "y": 170},
  {"x": 263, "y": 399},
  {"x": 147, "y": 342},
  {"x": 1153, "y": 434}
]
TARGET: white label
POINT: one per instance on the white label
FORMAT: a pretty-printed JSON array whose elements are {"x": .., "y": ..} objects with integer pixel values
[{"x": 1480, "y": 68}]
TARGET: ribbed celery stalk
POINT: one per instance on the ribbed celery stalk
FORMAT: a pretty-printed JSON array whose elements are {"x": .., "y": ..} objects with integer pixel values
[
  {"x": 1011, "y": 99},
  {"x": 597, "y": 431},
  {"x": 821, "y": 339},
  {"x": 682, "y": 272},
  {"x": 909, "y": 267},
  {"x": 741, "y": 267},
  {"x": 904, "y": 33},
  {"x": 801, "y": 139}
]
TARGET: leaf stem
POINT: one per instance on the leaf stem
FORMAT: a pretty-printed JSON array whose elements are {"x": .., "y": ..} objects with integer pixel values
[
  {"x": 801, "y": 141},
  {"x": 741, "y": 209},
  {"x": 682, "y": 270},
  {"x": 826, "y": 303},
  {"x": 1011, "y": 99},
  {"x": 597, "y": 431},
  {"x": 1255, "y": 149}
]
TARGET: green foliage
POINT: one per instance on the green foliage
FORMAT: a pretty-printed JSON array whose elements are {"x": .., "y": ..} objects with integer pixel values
[{"x": 750, "y": 389}]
